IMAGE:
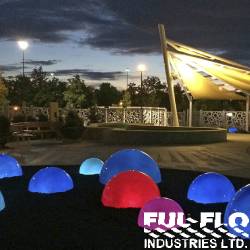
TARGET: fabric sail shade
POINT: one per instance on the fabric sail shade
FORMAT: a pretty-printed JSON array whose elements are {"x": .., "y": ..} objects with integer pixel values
[{"x": 207, "y": 76}]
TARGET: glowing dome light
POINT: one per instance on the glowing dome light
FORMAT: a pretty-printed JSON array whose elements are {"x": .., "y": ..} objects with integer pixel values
[
  {"x": 130, "y": 189},
  {"x": 232, "y": 130},
  {"x": 211, "y": 188},
  {"x": 157, "y": 205},
  {"x": 129, "y": 159},
  {"x": 239, "y": 203},
  {"x": 9, "y": 167},
  {"x": 2, "y": 203},
  {"x": 91, "y": 166},
  {"x": 50, "y": 180}
]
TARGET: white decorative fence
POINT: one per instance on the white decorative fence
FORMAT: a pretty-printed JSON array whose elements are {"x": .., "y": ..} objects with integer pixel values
[
  {"x": 135, "y": 115},
  {"x": 223, "y": 119},
  {"x": 148, "y": 115}
]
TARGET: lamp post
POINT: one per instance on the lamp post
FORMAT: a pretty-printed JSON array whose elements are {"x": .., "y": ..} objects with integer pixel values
[
  {"x": 127, "y": 70},
  {"x": 141, "y": 68},
  {"x": 23, "y": 45}
]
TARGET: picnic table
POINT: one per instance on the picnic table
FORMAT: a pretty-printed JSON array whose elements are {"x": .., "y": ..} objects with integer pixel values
[{"x": 29, "y": 130}]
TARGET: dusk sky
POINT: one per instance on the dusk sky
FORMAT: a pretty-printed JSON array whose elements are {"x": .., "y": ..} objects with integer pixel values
[{"x": 99, "y": 39}]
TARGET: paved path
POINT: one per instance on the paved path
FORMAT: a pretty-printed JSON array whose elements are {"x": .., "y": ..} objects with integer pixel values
[{"x": 231, "y": 158}]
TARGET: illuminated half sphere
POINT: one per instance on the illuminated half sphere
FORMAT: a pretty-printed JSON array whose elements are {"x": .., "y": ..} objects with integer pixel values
[
  {"x": 232, "y": 130},
  {"x": 2, "y": 203},
  {"x": 9, "y": 167},
  {"x": 211, "y": 188},
  {"x": 129, "y": 159},
  {"x": 50, "y": 180},
  {"x": 91, "y": 166},
  {"x": 157, "y": 205},
  {"x": 130, "y": 189},
  {"x": 239, "y": 203}
]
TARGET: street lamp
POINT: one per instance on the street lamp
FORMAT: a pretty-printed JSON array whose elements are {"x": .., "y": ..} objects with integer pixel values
[
  {"x": 141, "y": 68},
  {"x": 127, "y": 70},
  {"x": 23, "y": 45}
]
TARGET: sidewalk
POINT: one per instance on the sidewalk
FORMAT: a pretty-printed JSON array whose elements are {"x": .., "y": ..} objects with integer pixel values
[{"x": 231, "y": 158}]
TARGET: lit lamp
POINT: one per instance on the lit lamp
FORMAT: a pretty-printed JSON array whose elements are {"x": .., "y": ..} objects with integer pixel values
[
  {"x": 16, "y": 108},
  {"x": 23, "y": 45}
]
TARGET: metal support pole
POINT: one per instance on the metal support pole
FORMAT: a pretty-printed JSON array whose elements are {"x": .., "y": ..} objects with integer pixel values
[
  {"x": 247, "y": 113},
  {"x": 169, "y": 80},
  {"x": 23, "y": 63},
  {"x": 190, "y": 112},
  {"x": 124, "y": 115},
  {"x": 106, "y": 115},
  {"x": 127, "y": 79},
  {"x": 142, "y": 120}
]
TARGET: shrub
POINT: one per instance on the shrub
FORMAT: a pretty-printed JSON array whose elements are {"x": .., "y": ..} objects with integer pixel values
[
  {"x": 73, "y": 120},
  {"x": 42, "y": 118},
  {"x": 93, "y": 115},
  {"x": 31, "y": 118},
  {"x": 72, "y": 128},
  {"x": 4, "y": 130},
  {"x": 18, "y": 118}
]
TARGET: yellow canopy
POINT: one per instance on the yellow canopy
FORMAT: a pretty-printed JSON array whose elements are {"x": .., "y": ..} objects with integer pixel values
[{"x": 207, "y": 76}]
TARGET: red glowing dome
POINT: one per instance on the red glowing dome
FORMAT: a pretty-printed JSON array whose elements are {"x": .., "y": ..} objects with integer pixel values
[{"x": 130, "y": 189}]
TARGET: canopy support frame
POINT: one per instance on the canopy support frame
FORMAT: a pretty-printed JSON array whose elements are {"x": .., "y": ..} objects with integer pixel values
[
  {"x": 163, "y": 39},
  {"x": 247, "y": 112}
]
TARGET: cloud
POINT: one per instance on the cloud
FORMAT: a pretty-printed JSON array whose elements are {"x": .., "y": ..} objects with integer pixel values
[
  {"x": 89, "y": 74},
  {"x": 41, "y": 62},
  {"x": 9, "y": 68},
  {"x": 128, "y": 27}
]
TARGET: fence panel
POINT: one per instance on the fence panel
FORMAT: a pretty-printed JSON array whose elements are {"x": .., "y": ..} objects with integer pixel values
[{"x": 223, "y": 119}]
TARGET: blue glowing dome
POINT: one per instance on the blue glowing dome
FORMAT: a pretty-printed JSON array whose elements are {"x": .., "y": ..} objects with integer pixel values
[
  {"x": 9, "y": 167},
  {"x": 232, "y": 130},
  {"x": 2, "y": 203},
  {"x": 50, "y": 180},
  {"x": 129, "y": 159},
  {"x": 211, "y": 188},
  {"x": 239, "y": 203},
  {"x": 91, "y": 166}
]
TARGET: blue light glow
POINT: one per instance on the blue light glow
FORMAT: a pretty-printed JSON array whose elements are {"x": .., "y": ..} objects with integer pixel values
[
  {"x": 50, "y": 180},
  {"x": 91, "y": 166},
  {"x": 9, "y": 167},
  {"x": 129, "y": 159},
  {"x": 211, "y": 188},
  {"x": 232, "y": 130},
  {"x": 2, "y": 203},
  {"x": 239, "y": 203}
]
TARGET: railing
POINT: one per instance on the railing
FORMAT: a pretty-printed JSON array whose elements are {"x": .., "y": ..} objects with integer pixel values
[{"x": 149, "y": 115}]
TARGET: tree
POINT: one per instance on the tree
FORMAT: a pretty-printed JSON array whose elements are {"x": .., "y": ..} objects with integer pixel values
[
  {"x": 3, "y": 91},
  {"x": 126, "y": 99},
  {"x": 107, "y": 95},
  {"x": 75, "y": 95},
  {"x": 153, "y": 93},
  {"x": 132, "y": 90},
  {"x": 180, "y": 98},
  {"x": 51, "y": 91},
  {"x": 20, "y": 89}
]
